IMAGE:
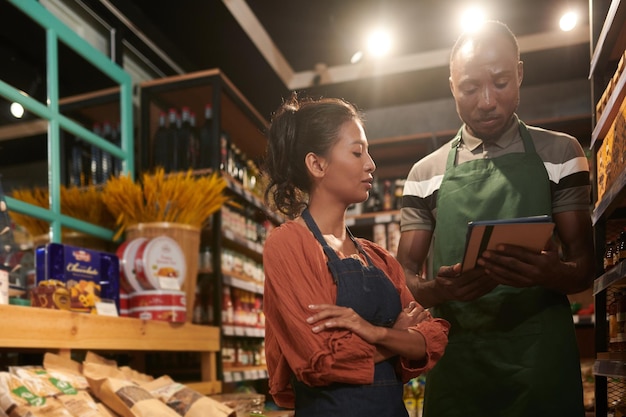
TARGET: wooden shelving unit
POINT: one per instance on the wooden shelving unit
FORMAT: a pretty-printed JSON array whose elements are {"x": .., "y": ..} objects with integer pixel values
[{"x": 63, "y": 331}]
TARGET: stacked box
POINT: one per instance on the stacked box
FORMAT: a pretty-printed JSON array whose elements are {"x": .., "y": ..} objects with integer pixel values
[
  {"x": 74, "y": 278},
  {"x": 610, "y": 160}
]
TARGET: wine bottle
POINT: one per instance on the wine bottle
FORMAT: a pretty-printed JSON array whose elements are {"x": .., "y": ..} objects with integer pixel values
[
  {"x": 194, "y": 142},
  {"x": 160, "y": 152},
  {"x": 76, "y": 163},
  {"x": 116, "y": 139},
  {"x": 171, "y": 139},
  {"x": 96, "y": 158},
  {"x": 206, "y": 137},
  {"x": 106, "y": 157},
  {"x": 183, "y": 140}
]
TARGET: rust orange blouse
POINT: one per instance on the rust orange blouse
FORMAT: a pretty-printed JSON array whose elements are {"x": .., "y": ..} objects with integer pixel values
[{"x": 296, "y": 276}]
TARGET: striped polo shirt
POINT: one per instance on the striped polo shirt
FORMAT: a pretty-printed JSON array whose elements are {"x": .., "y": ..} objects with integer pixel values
[{"x": 562, "y": 155}]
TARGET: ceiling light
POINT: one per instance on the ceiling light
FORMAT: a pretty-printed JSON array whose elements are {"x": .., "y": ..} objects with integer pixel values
[
  {"x": 358, "y": 55},
  {"x": 568, "y": 21},
  {"x": 472, "y": 18},
  {"x": 17, "y": 110},
  {"x": 379, "y": 43}
]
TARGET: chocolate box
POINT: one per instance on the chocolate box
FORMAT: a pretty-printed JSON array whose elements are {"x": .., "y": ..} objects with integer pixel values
[{"x": 87, "y": 275}]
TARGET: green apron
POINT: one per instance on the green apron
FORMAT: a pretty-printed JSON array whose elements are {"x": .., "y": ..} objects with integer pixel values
[{"x": 512, "y": 352}]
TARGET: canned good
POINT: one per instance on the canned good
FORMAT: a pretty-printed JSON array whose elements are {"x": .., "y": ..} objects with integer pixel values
[
  {"x": 160, "y": 264},
  {"x": 161, "y": 313},
  {"x": 156, "y": 298},
  {"x": 127, "y": 253}
]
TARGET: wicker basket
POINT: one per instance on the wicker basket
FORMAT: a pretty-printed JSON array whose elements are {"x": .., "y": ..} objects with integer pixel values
[{"x": 188, "y": 237}]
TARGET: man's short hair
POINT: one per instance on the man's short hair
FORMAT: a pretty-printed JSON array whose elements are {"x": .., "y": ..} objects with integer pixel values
[{"x": 487, "y": 30}]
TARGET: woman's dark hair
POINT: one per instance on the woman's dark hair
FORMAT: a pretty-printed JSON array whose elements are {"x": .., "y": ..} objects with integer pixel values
[{"x": 300, "y": 126}]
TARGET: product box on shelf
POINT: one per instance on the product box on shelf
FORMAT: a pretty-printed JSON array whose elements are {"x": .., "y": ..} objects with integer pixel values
[
  {"x": 610, "y": 159},
  {"x": 74, "y": 278}
]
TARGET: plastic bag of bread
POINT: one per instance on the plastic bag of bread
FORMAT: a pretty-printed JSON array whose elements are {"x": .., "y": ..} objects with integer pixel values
[
  {"x": 127, "y": 398},
  {"x": 16, "y": 400},
  {"x": 101, "y": 366},
  {"x": 186, "y": 401},
  {"x": 66, "y": 369}
]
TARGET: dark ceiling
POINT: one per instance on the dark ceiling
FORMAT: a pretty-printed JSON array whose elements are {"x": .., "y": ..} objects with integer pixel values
[
  {"x": 205, "y": 34},
  {"x": 305, "y": 37}
]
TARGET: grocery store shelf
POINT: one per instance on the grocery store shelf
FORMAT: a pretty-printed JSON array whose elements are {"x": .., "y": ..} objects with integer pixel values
[
  {"x": 370, "y": 219},
  {"x": 242, "y": 331},
  {"x": 615, "y": 276},
  {"x": 242, "y": 283},
  {"x": 610, "y": 368},
  {"x": 612, "y": 29},
  {"x": 250, "y": 373},
  {"x": 32, "y": 327}
]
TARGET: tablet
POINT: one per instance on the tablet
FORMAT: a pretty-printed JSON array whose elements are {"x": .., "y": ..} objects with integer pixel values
[{"x": 531, "y": 233}]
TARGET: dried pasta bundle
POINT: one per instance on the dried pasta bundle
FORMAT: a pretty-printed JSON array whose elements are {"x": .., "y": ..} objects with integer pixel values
[
  {"x": 84, "y": 203},
  {"x": 178, "y": 198},
  {"x": 37, "y": 197}
]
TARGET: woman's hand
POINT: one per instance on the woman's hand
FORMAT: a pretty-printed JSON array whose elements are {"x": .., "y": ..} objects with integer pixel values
[
  {"x": 330, "y": 316},
  {"x": 410, "y": 316}
]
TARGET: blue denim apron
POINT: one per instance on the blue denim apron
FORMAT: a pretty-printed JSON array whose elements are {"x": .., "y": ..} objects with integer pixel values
[{"x": 368, "y": 291}]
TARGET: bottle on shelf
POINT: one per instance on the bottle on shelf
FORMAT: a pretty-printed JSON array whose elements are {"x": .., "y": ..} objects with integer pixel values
[
  {"x": 224, "y": 151},
  {"x": 398, "y": 192},
  {"x": 116, "y": 139},
  {"x": 184, "y": 140},
  {"x": 620, "y": 315},
  {"x": 373, "y": 203},
  {"x": 206, "y": 137},
  {"x": 172, "y": 141},
  {"x": 194, "y": 143},
  {"x": 228, "y": 313},
  {"x": 107, "y": 158},
  {"x": 621, "y": 246},
  {"x": 609, "y": 260},
  {"x": 387, "y": 195},
  {"x": 79, "y": 172},
  {"x": 96, "y": 158},
  {"x": 160, "y": 150},
  {"x": 612, "y": 318}
]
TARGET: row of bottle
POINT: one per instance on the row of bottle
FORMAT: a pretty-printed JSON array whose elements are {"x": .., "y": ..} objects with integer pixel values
[
  {"x": 89, "y": 164},
  {"x": 242, "y": 308},
  {"x": 617, "y": 322},
  {"x": 235, "y": 163},
  {"x": 239, "y": 352},
  {"x": 615, "y": 251},
  {"x": 180, "y": 144},
  {"x": 243, "y": 225},
  {"x": 239, "y": 265},
  {"x": 385, "y": 195}
]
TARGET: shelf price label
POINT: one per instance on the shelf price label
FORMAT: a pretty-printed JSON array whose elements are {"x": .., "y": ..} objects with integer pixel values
[{"x": 383, "y": 218}]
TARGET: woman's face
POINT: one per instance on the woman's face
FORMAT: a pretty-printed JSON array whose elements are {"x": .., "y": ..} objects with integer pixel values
[{"x": 349, "y": 166}]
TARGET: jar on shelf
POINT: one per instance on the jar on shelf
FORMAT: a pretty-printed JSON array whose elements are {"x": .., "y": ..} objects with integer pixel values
[
  {"x": 620, "y": 315},
  {"x": 612, "y": 313},
  {"x": 609, "y": 259},
  {"x": 620, "y": 248}
]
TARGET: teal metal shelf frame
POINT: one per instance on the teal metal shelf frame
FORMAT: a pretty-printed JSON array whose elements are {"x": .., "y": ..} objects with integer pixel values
[{"x": 56, "y": 31}]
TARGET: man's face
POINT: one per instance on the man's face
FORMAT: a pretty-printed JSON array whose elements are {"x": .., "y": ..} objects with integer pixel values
[{"x": 485, "y": 80}]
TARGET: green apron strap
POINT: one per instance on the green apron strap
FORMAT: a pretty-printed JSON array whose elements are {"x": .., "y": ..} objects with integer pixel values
[
  {"x": 456, "y": 142},
  {"x": 529, "y": 146}
]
